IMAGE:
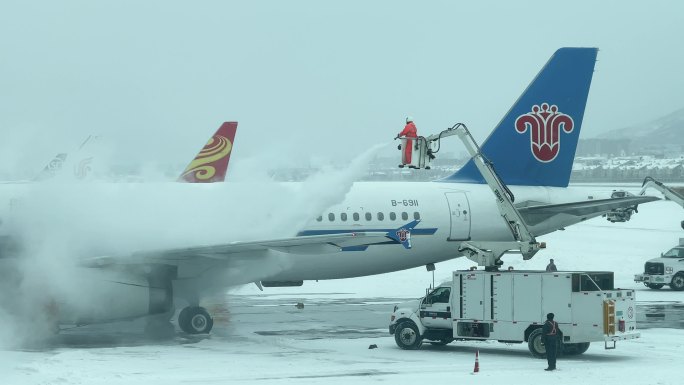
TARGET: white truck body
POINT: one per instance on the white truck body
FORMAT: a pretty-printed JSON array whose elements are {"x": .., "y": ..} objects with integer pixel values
[
  {"x": 511, "y": 306},
  {"x": 666, "y": 270}
]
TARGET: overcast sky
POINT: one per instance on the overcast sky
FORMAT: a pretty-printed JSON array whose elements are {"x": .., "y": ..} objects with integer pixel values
[{"x": 310, "y": 79}]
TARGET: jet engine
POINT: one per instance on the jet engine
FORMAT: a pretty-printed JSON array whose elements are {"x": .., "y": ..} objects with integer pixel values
[{"x": 99, "y": 295}]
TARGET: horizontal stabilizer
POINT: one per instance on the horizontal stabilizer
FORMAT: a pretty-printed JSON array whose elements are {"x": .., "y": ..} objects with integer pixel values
[{"x": 543, "y": 219}]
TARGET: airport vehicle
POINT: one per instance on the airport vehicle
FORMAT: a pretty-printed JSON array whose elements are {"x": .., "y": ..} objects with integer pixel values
[
  {"x": 376, "y": 227},
  {"x": 511, "y": 307},
  {"x": 666, "y": 270}
]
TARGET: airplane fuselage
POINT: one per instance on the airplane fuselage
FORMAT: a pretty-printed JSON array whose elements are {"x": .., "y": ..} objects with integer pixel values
[{"x": 449, "y": 213}]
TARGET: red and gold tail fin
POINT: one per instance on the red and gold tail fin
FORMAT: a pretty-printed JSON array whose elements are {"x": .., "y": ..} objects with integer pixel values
[{"x": 211, "y": 164}]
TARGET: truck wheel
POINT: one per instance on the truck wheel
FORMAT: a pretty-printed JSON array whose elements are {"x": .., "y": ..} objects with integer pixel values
[
  {"x": 677, "y": 282},
  {"x": 582, "y": 347},
  {"x": 654, "y": 286},
  {"x": 575, "y": 349},
  {"x": 407, "y": 336},
  {"x": 536, "y": 344}
]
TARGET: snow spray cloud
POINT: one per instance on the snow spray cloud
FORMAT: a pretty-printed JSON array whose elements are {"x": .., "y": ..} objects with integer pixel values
[{"x": 60, "y": 223}]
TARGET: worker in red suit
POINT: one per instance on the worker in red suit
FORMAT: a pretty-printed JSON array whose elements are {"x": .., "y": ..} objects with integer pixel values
[{"x": 409, "y": 131}]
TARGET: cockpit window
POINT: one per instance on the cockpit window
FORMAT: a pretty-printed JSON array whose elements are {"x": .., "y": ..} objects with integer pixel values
[{"x": 677, "y": 252}]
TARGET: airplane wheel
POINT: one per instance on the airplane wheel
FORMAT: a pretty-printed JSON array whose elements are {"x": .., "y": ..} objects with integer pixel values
[{"x": 195, "y": 320}]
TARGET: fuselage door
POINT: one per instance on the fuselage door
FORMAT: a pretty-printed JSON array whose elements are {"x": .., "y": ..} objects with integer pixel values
[{"x": 459, "y": 212}]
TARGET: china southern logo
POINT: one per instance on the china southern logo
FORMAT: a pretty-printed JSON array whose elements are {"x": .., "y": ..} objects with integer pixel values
[
  {"x": 403, "y": 234},
  {"x": 545, "y": 124}
]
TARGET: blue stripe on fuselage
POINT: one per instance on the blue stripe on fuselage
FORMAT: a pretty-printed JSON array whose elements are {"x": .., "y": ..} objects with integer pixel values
[{"x": 428, "y": 231}]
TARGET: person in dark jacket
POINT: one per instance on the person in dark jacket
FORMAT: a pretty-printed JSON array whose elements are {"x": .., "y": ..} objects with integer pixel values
[
  {"x": 550, "y": 331},
  {"x": 551, "y": 266}
]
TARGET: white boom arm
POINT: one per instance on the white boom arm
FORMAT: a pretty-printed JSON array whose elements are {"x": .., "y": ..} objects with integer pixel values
[
  {"x": 669, "y": 193},
  {"x": 486, "y": 254}
]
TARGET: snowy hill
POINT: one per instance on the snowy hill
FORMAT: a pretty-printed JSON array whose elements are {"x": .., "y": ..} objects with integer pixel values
[{"x": 664, "y": 134}]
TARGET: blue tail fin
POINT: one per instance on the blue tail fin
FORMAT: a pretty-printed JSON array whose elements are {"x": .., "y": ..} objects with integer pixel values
[{"x": 534, "y": 144}]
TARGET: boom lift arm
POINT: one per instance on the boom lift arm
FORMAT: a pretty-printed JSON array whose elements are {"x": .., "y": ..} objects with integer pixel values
[
  {"x": 486, "y": 254},
  {"x": 669, "y": 193}
]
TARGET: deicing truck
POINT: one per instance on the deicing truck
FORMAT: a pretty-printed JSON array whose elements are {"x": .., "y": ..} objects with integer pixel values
[{"x": 511, "y": 307}]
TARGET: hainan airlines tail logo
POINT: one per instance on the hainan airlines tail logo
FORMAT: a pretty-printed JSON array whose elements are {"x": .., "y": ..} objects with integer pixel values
[
  {"x": 545, "y": 124},
  {"x": 202, "y": 167}
]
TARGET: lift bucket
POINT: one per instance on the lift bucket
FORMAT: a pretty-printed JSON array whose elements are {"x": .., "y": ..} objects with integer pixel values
[{"x": 418, "y": 153}]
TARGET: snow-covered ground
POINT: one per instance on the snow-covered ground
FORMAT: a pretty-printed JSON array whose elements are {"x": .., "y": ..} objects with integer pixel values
[{"x": 247, "y": 347}]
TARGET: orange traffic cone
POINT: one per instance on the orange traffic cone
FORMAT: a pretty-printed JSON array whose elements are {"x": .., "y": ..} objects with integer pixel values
[{"x": 477, "y": 362}]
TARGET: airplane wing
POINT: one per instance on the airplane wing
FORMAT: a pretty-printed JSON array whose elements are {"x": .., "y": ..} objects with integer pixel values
[
  {"x": 544, "y": 219},
  {"x": 311, "y": 244}
]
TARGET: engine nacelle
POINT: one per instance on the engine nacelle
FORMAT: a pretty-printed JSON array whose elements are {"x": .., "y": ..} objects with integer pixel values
[{"x": 97, "y": 295}]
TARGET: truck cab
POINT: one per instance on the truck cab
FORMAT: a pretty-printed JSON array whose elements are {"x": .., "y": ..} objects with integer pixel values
[{"x": 666, "y": 270}]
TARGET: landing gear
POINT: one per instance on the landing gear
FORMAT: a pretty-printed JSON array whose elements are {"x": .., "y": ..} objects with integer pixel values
[{"x": 195, "y": 320}]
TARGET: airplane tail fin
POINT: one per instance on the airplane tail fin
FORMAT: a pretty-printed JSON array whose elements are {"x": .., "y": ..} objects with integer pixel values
[
  {"x": 211, "y": 163},
  {"x": 52, "y": 167},
  {"x": 534, "y": 144}
]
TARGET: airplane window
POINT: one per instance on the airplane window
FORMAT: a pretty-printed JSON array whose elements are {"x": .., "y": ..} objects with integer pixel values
[
  {"x": 393, "y": 216},
  {"x": 343, "y": 217},
  {"x": 356, "y": 217},
  {"x": 381, "y": 216},
  {"x": 404, "y": 215},
  {"x": 320, "y": 218},
  {"x": 369, "y": 216},
  {"x": 416, "y": 215},
  {"x": 331, "y": 217}
]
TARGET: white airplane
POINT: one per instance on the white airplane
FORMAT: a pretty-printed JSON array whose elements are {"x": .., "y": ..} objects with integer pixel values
[{"x": 379, "y": 227}]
